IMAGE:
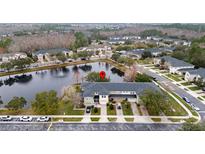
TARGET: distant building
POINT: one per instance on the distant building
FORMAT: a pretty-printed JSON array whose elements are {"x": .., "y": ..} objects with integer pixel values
[
  {"x": 11, "y": 56},
  {"x": 194, "y": 75},
  {"x": 174, "y": 65}
]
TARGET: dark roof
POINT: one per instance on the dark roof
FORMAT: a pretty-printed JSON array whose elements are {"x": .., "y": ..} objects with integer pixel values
[
  {"x": 176, "y": 62},
  {"x": 200, "y": 71},
  {"x": 54, "y": 50},
  {"x": 104, "y": 88}
]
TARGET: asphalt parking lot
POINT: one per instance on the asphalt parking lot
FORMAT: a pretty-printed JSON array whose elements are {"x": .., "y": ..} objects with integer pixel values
[{"x": 87, "y": 127}]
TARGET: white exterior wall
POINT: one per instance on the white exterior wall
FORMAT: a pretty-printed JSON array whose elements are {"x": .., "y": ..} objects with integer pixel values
[
  {"x": 175, "y": 69},
  {"x": 88, "y": 101},
  {"x": 189, "y": 77},
  {"x": 103, "y": 99}
]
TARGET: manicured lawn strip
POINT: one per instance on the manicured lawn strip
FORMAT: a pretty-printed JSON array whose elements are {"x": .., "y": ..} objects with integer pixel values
[
  {"x": 129, "y": 119},
  {"x": 174, "y": 77},
  {"x": 186, "y": 84},
  {"x": 95, "y": 119},
  {"x": 127, "y": 110},
  {"x": 200, "y": 98},
  {"x": 73, "y": 119},
  {"x": 156, "y": 119},
  {"x": 174, "y": 120},
  {"x": 68, "y": 108},
  {"x": 95, "y": 113},
  {"x": 190, "y": 120},
  {"x": 111, "y": 112},
  {"x": 194, "y": 88},
  {"x": 203, "y": 96},
  {"x": 112, "y": 119},
  {"x": 17, "y": 112},
  {"x": 185, "y": 103}
]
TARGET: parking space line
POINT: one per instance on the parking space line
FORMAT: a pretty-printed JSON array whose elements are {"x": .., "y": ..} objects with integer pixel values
[{"x": 49, "y": 127}]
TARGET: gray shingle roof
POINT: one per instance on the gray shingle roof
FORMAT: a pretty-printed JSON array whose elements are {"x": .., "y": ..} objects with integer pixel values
[
  {"x": 54, "y": 50},
  {"x": 176, "y": 62},
  {"x": 104, "y": 88},
  {"x": 200, "y": 71}
]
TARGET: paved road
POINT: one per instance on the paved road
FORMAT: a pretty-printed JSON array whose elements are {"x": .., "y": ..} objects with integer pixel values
[
  {"x": 175, "y": 89},
  {"x": 88, "y": 127}
]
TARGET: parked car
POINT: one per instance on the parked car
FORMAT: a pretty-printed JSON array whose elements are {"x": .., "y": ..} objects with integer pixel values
[
  {"x": 25, "y": 119},
  {"x": 203, "y": 89},
  {"x": 43, "y": 119},
  {"x": 186, "y": 99},
  {"x": 5, "y": 118},
  {"x": 195, "y": 107},
  {"x": 119, "y": 107},
  {"x": 88, "y": 109}
]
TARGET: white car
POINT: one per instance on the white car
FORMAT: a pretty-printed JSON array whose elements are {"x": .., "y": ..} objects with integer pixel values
[
  {"x": 25, "y": 118},
  {"x": 5, "y": 118},
  {"x": 43, "y": 119},
  {"x": 195, "y": 107}
]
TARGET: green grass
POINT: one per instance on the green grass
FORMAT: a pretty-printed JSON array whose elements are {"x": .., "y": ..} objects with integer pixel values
[
  {"x": 203, "y": 96},
  {"x": 127, "y": 110},
  {"x": 173, "y": 77},
  {"x": 186, "y": 84},
  {"x": 111, "y": 112},
  {"x": 129, "y": 119},
  {"x": 112, "y": 119},
  {"x": 200, "y": 98},
  {"x": 190, "y": 120},
  {"x": 187, "y": 105},
  {"x": 174, "y": 120},
  {"x": 156, "y": 119},
  {"x": 195, "y": 88},
  {"x": 73, "y": 119},
  {"x": 95, "y": 119},
  {"x": 95, "y": 113},
  {"x": 67, "y": 108},
  {"x": 175, "y": 109}
]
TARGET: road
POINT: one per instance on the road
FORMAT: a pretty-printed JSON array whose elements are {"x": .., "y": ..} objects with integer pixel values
[
  {"x": 87, "y": 127},
  {"x": 175, "y": 89}
]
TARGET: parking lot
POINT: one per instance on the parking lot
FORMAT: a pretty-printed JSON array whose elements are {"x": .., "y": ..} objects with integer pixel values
[{"x": 87, "y": 127}]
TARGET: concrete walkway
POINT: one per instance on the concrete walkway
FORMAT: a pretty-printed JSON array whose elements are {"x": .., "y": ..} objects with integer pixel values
[
  {"x": 103, "y": 117},
  {"x": 86, "y": 118}
]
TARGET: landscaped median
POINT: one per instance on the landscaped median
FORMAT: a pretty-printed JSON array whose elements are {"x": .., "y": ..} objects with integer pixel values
[
  {"x": 111, "y": 110},
  {"x": 127, "y": 110},
  {"x": 95, "y": 111}
]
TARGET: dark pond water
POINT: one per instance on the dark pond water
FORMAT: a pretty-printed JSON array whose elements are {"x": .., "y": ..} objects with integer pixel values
[{"x": 54, "y": 79}]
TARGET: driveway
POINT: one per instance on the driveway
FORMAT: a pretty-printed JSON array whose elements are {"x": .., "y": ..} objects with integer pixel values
[
  {"x": 120, "y": 117},
  {"x": 103, "y": 113}
]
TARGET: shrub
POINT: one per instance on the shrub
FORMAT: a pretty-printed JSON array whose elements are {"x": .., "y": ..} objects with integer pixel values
[{"x": 95, "y": 109}]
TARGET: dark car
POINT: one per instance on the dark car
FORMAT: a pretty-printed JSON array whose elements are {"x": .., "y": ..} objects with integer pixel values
[
  {"x": 88, "y": 109},
  {"x": 203, "y": 88},
  {"x": 186, "y": 99}
]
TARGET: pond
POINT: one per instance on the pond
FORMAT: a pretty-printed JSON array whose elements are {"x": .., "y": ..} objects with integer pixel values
[{"x": 29, "y": 84}]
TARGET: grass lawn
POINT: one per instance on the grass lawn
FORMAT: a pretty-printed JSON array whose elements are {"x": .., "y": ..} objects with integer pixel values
[
  {"x": 67, "y": 108},
  {"x": 95, "y": 113},
  {"x": 186, "y": 84},
  {"x": 126, "y": 108},
  {"x": 112, "y": 119},
  {"x": 175, "y": 109},
  {"x": 17, "y": 112},
  {"x": 200, "y": 98},
  {"x": 185, "y": 103},
  {"x": 174, "y": 120},
  {"x": 174, "y": 77},
  {"x": 129, "y": 119},
  {"x": 195, "y": 88},
  {"x": 203, "y": 96},
  {"x": 111, "y": 112},
  {"x": 156, "y": 119}
]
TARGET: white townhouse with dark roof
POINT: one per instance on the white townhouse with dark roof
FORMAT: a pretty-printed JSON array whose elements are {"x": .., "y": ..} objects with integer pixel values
[
  {"x": 174, "y": 65},
  {"x": 100, "y": 92},
  {"x": 194, "y": 75}
]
